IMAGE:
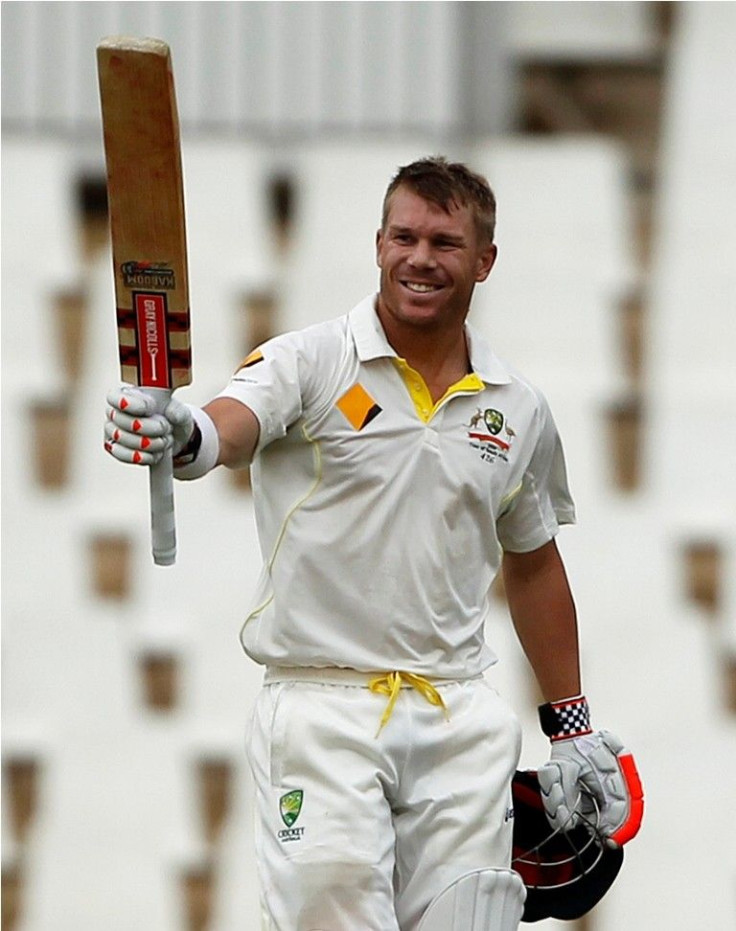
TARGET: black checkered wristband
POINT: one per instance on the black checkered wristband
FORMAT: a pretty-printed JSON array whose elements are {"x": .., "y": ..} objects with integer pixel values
[{"x": 561, "y": 720}]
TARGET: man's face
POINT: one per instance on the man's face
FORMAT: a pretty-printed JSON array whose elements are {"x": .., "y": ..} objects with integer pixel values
[{"x": 430, "y": 262}]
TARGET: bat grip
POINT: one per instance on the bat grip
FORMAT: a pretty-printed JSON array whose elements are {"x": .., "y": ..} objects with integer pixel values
[{"x": 161, "y": 484}]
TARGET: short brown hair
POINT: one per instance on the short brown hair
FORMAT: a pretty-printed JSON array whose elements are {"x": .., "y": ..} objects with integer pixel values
[{"x": 445, "y": 184}]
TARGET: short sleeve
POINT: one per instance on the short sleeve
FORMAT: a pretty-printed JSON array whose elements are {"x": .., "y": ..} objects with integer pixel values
[
  {"x": 542, "y": 502},
  {"x": 268, "y": 382}
]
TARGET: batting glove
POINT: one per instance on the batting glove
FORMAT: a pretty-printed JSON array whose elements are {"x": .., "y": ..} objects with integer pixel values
[
  {"x": 135, "y": 433},
  {"x": 589, "y": 765}
]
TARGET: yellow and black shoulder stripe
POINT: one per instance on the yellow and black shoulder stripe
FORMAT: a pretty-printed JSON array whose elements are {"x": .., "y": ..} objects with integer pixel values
[
  {"x": 251, "y": 359},
  {"x": 358, "y": 407}
]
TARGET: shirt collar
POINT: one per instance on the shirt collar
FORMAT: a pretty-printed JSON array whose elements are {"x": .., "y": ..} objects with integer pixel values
[
  {"x": 484, "y": 360},
  {"x": 371, "y": 343},
  {"x": 368, "y": 335}
]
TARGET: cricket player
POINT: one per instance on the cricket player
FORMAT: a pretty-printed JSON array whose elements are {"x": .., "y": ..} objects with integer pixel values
[{"x": 398, "y": 465}]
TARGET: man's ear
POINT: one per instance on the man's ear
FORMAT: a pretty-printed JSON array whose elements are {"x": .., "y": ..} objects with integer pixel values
[
  {"x": 486, "y": 262},
  {"x": 379, "y": 242}
]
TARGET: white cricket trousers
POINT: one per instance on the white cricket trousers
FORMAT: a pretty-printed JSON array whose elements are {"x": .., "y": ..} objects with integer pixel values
[{"x": 359, "y": 831}]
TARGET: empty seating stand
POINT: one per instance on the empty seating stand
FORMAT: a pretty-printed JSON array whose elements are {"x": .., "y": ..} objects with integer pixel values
[{"x": 126, "y": 792}]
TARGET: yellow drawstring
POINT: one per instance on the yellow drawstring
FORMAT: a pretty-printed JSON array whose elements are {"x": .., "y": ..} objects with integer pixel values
[{"x": 390, "y": 684}]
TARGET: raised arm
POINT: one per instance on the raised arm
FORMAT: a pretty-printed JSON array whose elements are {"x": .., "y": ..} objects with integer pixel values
[
  {"x": 237, "y": 429},
  {"x": 224, "y": 432}
]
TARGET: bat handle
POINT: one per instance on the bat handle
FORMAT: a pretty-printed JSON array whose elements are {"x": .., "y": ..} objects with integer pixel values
[{"x": 161, "y": 483}]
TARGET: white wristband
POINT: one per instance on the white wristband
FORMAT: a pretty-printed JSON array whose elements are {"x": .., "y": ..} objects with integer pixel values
[{"x": 209, "y": 450}]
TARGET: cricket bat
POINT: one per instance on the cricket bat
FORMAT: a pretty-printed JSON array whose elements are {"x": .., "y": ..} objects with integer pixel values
[{"x": 147, "y": 226}]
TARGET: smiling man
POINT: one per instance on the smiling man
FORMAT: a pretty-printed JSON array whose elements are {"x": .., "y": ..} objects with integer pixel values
[
  {"x": 398, "y": 466},
  {"x": 433, "y": 248}
]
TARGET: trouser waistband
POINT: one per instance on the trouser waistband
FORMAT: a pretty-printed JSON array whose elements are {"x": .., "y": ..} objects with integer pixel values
[
  {"x": 335, "y": 675},
  {"x": 382, "y": 683}
]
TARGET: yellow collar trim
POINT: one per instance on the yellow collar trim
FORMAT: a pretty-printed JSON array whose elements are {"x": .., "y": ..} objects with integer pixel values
[
  {"x": 391, "y": 684},
  {"x": 419, "y": 392}
]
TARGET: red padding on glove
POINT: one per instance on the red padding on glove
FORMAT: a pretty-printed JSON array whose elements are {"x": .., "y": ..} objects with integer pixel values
[{"x": 630, "y": 827}]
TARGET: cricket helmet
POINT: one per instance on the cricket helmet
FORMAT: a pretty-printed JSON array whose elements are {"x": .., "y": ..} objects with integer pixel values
[{"x": 566, "y": 872}]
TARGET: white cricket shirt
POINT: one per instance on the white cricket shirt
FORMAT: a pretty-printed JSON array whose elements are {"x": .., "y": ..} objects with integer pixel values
[{"x": 382, "y": 516}]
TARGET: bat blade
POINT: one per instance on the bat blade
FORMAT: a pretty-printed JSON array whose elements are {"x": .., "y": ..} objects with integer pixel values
[{"x": 148, "y": 232}]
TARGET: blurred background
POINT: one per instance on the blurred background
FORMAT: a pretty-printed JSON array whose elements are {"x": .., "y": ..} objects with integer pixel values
[{"x": 608, "y": 131}]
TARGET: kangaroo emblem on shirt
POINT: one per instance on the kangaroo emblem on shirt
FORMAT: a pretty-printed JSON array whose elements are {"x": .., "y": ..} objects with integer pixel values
[
  {"x": 484, "y": 432},
  {"x": 476, "y": 418}
]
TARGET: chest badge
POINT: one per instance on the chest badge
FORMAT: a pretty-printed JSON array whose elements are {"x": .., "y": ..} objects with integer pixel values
[
  {"x": 358, "y": 407},
  {"x": 490, "y": 433}
]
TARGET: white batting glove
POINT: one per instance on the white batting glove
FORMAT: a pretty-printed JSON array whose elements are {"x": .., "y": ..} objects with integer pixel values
[
  {"x": 586, "y": 764},
  {"x": 134, "y": 433}
]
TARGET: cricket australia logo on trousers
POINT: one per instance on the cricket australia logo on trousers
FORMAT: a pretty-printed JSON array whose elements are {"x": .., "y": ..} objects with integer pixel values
[
  {"x": 490, "y": 433},
  {"x": 290, "y": 807}
]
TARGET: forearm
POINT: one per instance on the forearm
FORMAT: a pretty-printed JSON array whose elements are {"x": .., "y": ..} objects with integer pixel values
[
  {"x": 237, "y": 429},
  {"x": 543, "y": 613},
  {"x": 224, "y": 432}
]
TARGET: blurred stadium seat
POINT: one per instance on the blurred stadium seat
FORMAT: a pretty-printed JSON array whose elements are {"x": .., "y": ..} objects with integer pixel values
[
  {"x": 40, "y": 256},
  {"x": 564, "y": 261},
  {"x": 338, "y": 191},
  {"x": 111, "y": 828},
  {"x": 231, "y": 250},
  {"x": 582, "y": 32},
  {"x": 690, "y": 451},
  {"x": 692, "y": 339}
]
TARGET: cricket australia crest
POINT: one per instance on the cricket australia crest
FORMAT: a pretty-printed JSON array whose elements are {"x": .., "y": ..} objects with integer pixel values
[
  {"x": 290, "y": 807},
  {"x": 490, "y": 433}
]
